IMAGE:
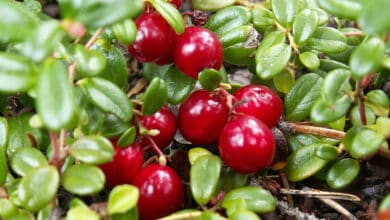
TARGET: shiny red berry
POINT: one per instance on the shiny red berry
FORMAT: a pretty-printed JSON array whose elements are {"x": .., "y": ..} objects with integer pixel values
[
  {"x": 155, "y": 39},
  {"x": 197, "y": 49},
  {"x": 161, "y": 191},
  {"x": 202, "y": 116},
  {"x": 261, "y": 102},
  {"x": 126, "y": 163},
  {"x": 246, "y": 144},
  {"x": 165, "y": 122}
]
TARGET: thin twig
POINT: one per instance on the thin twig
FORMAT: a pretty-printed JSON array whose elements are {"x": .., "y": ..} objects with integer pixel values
[
  {"x": 141, "y": 83},
  {"x": 313, "y": 193},
  {"x": 362, "y": 107},
  {"x": 339, "y": 208},
  {"x": 354, "y": 33},
  {"x": 320, "y": 131},
  {"x": 94, "y": 37}
]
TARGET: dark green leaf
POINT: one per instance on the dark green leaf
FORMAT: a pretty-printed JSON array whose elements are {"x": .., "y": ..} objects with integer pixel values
[
  {"x": 113, "y": 126},
  {"x": 304, "y": 163},
  {"x": 325, "y": 112},
  {"x": 81, "y": 212},
  {"x": 327, "y": 152},
  {"x": 342, "y": 173},
  {"x": 262, "y": 18},
  {"x": 231, "y": 179},
  {"x": 155, "y": 96},
  {"x": 297, "y": 141},
  {"x": 310, "y": 60},
  {"x": 108, "y": 97},
  {"x": 228, "y": 18},
  {"x": 170, "y": 14},
  {"x": 17, "y": 74},
  {"x": 272, "y": 61},
  {"x": 361, "y": 141},
  {"x": 152, "y": 70},
  {"x": 89, "y": 62},
  {"x": 369, "y": 19},
  {"x": 256, "y": 199},
  {"x": 26, "y": 159},
  {"x": 204, "y": 175},
  {"x": 330, "y": 65},
  {"x": 286, "y": 10},
  {"x": 122, "y": 199},
  {"x": 328, "y": 40},
  {"x": 38, "y": 188},
  {"x": 335, "y": 84},
  {"x": 211, "y": 5},
  {"x": 7, "y": 208},
  {"x": 301, "y": 97},
  {"x": 209, "y": 79},
  {"x": 304, "y": 25},
  {"x": 83, "y": 179},
  {"x": 99, "y": 13},
  {"x": 125, "y": 31},
  {"x": 128, "y": 137},
  {"x": 92, "y": 149},
  {"x": 378, "y": 101},
  {"x": 179, "y": 85},
  {"x": 349, "y": 9},
  {"x": 355, "y": 117},
  {"x": 367, "y": 57}
]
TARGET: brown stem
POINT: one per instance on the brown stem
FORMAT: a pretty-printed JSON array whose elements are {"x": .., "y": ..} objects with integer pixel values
[
  {"x": 314, "y": 130},
  {"x": 362, "y": 108},
  {"x": 3, "y": 193},
  {"x": 290, "y": 200},
  {"x": 354, "y": 33}
]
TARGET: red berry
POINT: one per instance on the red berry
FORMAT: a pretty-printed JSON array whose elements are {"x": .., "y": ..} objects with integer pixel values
[
  {"x": 202, "y": 116},
  {"x": 261, "y": 102},
  {"x": 126, "y": 163},
  {"x": 161, "y": 191},
  {"x": 155, "y": 39},
  {"x": 176, "y": 3},
  {"x": 165, "y": 121},
  {"x": 246, "y": 144},
  {"x": 197, "y": 49}
]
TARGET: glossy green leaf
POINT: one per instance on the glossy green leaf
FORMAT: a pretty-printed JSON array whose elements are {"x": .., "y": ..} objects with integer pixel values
[
  {"x": 197, "y": 152},
  {"x": 179, "y": 85},
  {"x": 382, "y": 126},
  {"x": 170, "y": 14},
  {"x": 26, "y": 159},
  {"x": 286, "y": 10},
  {"x": 89, "y": 62},
  {"x": 211, "y": 5},
  {"x": 228, "y": 18},
  {"x": 122, "y": 198},
  {"x": 339, "y": 124},
  {"x": 256, "y": 199},
  {"x": 244, "y": 214},
  {"x": 301, "y": 97},
  {"x": 155, "y": 96},
  {"x": 272, "y": 61},
  {"x": 362, "y": 142},
  {"x": 304, "y": 163},
  {"x": 234, "y": 206},
  {"x": 328, "y": 40},
  {"x": 57, "y": 110},
  {"x": 17, "y": 21},
  {"x": 330, "y": 65},
  {"x": 38, "y": 188},
  {"x": 113, "y": 126},
  {"x": 367, "y": 57},
  {"x": 335, "y": 84},
  {"x": 22, "y": 214},
  {"x": 298, "y": 140},
  {"x": 43, "y": 40},
  {"x": 125, "y": 31},
  {"x": 323, "y": 16},
  {"x": 131, "y": 214},
  {"x": 310, "y": 60},
  {"x": 83, "y": 179},
  {"x": 369, "y": 20},
  {"x": 151, "y": 70},
  {"x": 355, "y": 117},
  {"x": 45, "y": 213},
  {"x": 209, "y": 215},
  {"x": 7, "y": 208},
  {"x": 284, "y": 81},
  {"x": 349, "y": 9},
  {"x": 17, "y": 74},
  {"x": 99, "y": 13},
  {"x": 204, "y": 175},
  {"x": 231, "y": 179},
  {"x": 81, "y": 212},
  {"x": 209, "y": 79},
  {"x": 128, "y": 137},
  {"x": 108, "y": 97},
  {"x": 92, "y": 149},
  {"x": 324, "y": 112},
  {"x": 271, "y": 39},
  {"x": 327, "y": 152},
  {"x": 305, "y": 23},
  {"x": 262, "y": 18},
  {"x": 385, "y": 203},
  {"x": 342, "y": 173},
  {"x": 378, "y": 101}
]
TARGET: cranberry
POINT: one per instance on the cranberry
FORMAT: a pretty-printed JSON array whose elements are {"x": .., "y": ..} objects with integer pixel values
[
  {"x": 261, "y": 102},
  {"x": 197, "y": 49},
  {"x": 155, "y": 39},
  {"x": 165, "y": 121},
  {"x": 161, "y": 191},
  {"x": 246, "y": 144},
  {"x": 202, "y": 116},
  {"x": 126, "y": 163}
]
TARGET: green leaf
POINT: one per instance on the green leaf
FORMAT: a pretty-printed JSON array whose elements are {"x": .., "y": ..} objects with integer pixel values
[
  {"x": 113, "y": 126},
  {"x": 367, "y": 57},
  {"x": 271, "y": 39},
  {"x": 325, "y": 112},
  {"x": 89, "y": 62},
  {"x": 131, "y": 214},
  {"x": 170, "y": 14},
  {"x": 262, "y": 18},
  {"x": 7, "y": 208},
  {"x": 17, "y": 21},
  {"x": 92, "y": 149},
  {"x": 354, "y": 116},
  {"x": 38, "y": 188},
  {"x": 22, "y": 214},
  {"x": 301, "y": 97},
  {"x": 385, "y": 203},
  {"x": 204, "y": 175},
  {"x": 256, "y": 199},
  {"x": 108, "y": 97},
  {"x": 362, "y": 142},
  {"x": 378, "y": 101},
  {"x": 99, "y": 13},
  {"x": 3, "y": 168},
  {"x": 179, "y": 85},
  {"x": 286, "y": 10},
  {"x": 310, "y": 60},
  {"x": 272, "y": 61},
  {"x": 369, "y": 20},
  {"x": 342, "y": 173},
  {"x": 304, "y": 163},
  {"x": 209, "y": 79},
  {"x": 209, "y": 215},
  {"x": 17, "y": 74},
  {"x": 125, "y": 31},
  {"x": 26, "y": 159},
  {"x": 155, "y": 96},
  {"x": 327, "y": 152},
  {"x": 151, "y": 70},
  {"x": 57, "y": 110},
  {"x": 231, "y": 179},
  {"x": 305, "y": 23},
  {"x": 234, "y": 206},
  {"x": 284, "y": 81},
  {"x": 349, "y": 9},
  {"x": 128, "y": 137},
  {"x": 244, "y": 214},
  {"x": 323, "y": 16},
  {"x": 45, "y": 213},
  {"x": 211, "y": 5},
  {"x": 43, "y": 40},
  {"x": 298, "y": 140},
  {"x": 328, "y": 40},
  {"x": 3, "y": 143},
  {"x": 83, "y": 179},
  {"x": 122, "y": 199},
  {"x": 330, "y": 65},
  {"x": 81, "y": 212},
  {"x": 335, "y": 84},
  {"x": 197, "y": 152}
]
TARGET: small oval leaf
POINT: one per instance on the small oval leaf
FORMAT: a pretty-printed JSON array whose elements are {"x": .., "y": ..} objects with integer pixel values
[
  {"x": 342, "y": 173},
  {"x": 328, "y": 40},
  {"x": 83, "y": 179},
  {"x": 362, "y": 142},
  {"x": 197, "y": 152},
  {"x": 89, "y": 62},
  {"x": 349, "y": 9},
  {"x": 378, "y": 101},
  {"x": 128, "y": 137},
  {"x": 92, "y": 149},
  {"x": 122, "y": 198},
  {"x": 304, "y": 25},
  {"x": 335, "y": 84},
  {"x": 81, "y": 212},
  {"x": 211, "y": 5},
  {"x": 327, "y": 152},
  {"x": 26, "y": 159},
  {"x": 209, "y": 79},
  {"x": 325, "y": 112},
  {"x": 286, "y": 10},
  {"x": 125, "y": 31},
  {"x": 155, "y": 96},
  {"x": 179, "y": 85},
  {"x": 272, "y": 61},
  {"x": 170, "y": 14},
  {"x": 310, "y": 60}
]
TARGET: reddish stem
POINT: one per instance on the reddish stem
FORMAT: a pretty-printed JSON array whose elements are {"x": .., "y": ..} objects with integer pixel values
[
  {"x": 362, "y": 108},
  {"x": 58, "y": 152},
  {"x": 161, "y": 157}
]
